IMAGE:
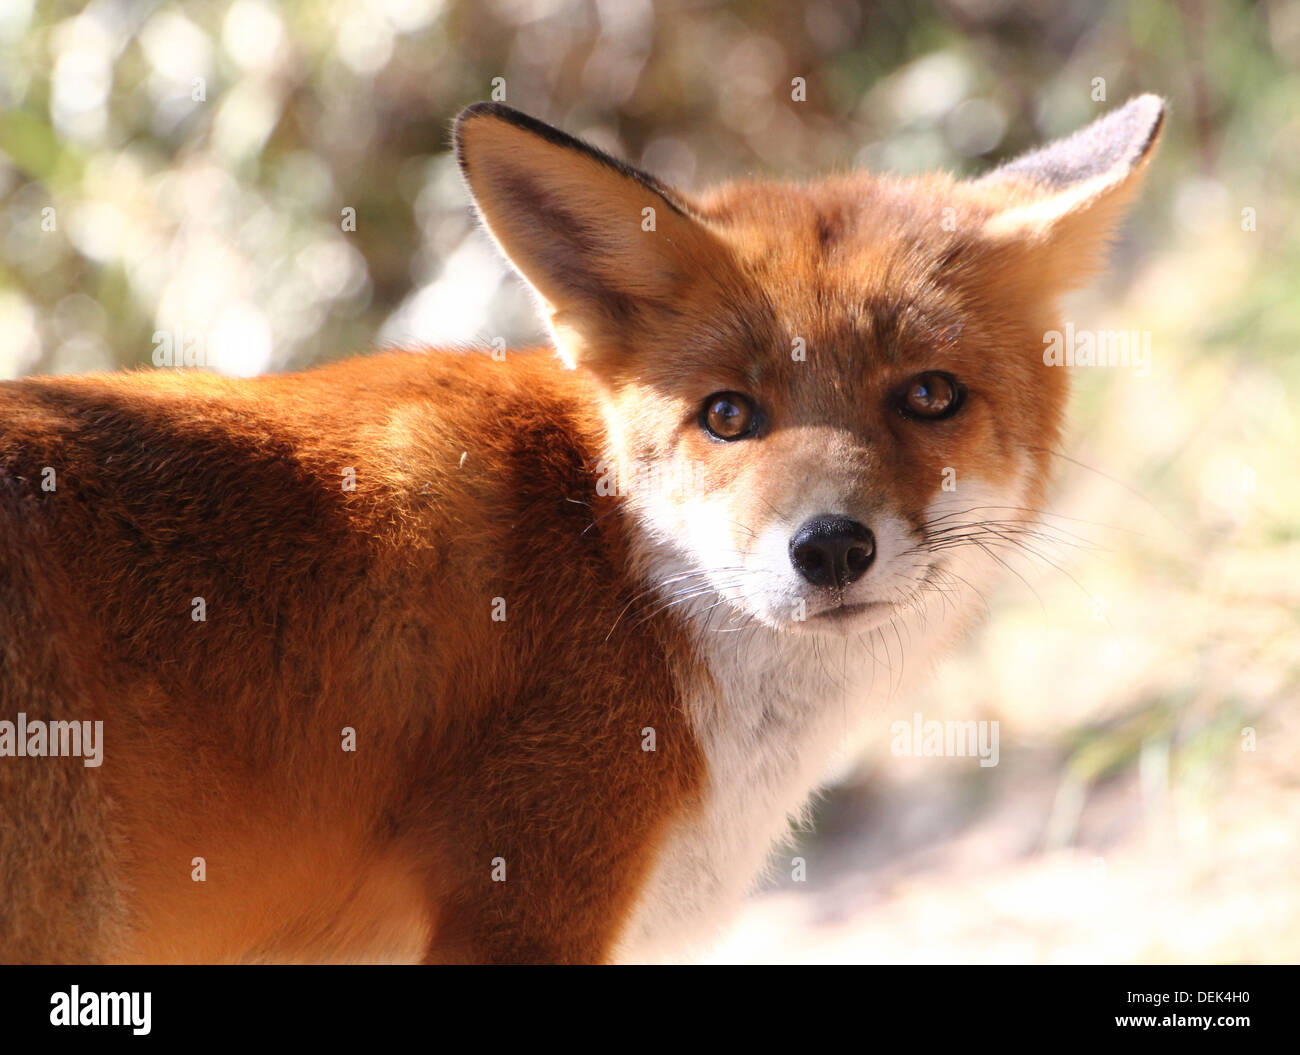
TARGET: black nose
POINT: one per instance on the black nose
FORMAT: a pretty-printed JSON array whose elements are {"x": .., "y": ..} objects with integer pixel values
[{"x": 832, "y": 550}]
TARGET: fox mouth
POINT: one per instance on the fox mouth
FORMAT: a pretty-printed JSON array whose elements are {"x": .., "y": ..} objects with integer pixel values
[{"x": 842, "y": 613}]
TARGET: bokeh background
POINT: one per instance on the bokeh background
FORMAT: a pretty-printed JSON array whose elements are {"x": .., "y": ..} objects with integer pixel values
[{"x": 188, "y": 168}]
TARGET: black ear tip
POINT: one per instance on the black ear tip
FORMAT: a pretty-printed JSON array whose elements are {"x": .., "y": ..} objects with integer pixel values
[
  {"x": 485, "y": 109},
  {"x": 499, "y": 112},
  {"x": 1135, "y": 127},
  {"x": 1149, "y": 111},
  {"x": 468, "y": 116},
  {"x": 473, "y": 112},
  {"x": 1149, "y": 103}
]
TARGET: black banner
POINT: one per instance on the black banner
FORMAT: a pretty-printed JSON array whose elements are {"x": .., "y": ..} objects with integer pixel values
[{"x": 1222, "y": 1005}]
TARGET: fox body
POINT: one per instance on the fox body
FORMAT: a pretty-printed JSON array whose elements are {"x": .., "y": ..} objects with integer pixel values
[{"x": 428, "y": 656}]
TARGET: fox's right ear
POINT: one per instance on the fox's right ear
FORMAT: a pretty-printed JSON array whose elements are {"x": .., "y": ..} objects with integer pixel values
[{"x": 599, "y": 242}]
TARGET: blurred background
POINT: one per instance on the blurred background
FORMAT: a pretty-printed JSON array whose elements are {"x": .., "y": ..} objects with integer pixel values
[{"x": 269, "y": 186}]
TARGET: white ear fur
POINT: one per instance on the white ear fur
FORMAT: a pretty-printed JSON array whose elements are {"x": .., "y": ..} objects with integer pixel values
[
  {"x": 1072, "y": 173},
  {"x": 1070, "y": 194}
]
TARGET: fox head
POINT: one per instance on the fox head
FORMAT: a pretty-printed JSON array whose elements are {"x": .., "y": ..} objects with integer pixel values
[{"x": 839, "y": 386}]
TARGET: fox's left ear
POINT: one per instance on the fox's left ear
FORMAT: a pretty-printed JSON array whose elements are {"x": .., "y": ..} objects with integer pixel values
[{"x": 1059, "y": 205}]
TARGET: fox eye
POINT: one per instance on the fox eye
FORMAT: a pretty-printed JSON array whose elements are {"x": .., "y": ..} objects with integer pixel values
[
  {"x": 729, "y": 416},
  {"x": 931, "y": 396}
]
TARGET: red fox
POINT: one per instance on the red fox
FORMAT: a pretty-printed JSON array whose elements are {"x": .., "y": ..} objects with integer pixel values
[{"x": 426, "y": 656}]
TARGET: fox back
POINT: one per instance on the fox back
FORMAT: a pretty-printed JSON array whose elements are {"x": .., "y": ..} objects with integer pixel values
[{"x": 430, "y": 656}]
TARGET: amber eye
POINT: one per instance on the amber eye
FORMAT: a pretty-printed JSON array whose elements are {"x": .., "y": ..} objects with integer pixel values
[
  {"x": 729, "y": 416},
  {"x": 931, "y": 396}
]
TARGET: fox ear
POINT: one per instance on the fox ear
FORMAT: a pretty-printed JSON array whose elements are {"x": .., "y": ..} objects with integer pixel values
[
  {"x": 1060, "y": 204},
  {"x": 601, "y": 243}
]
